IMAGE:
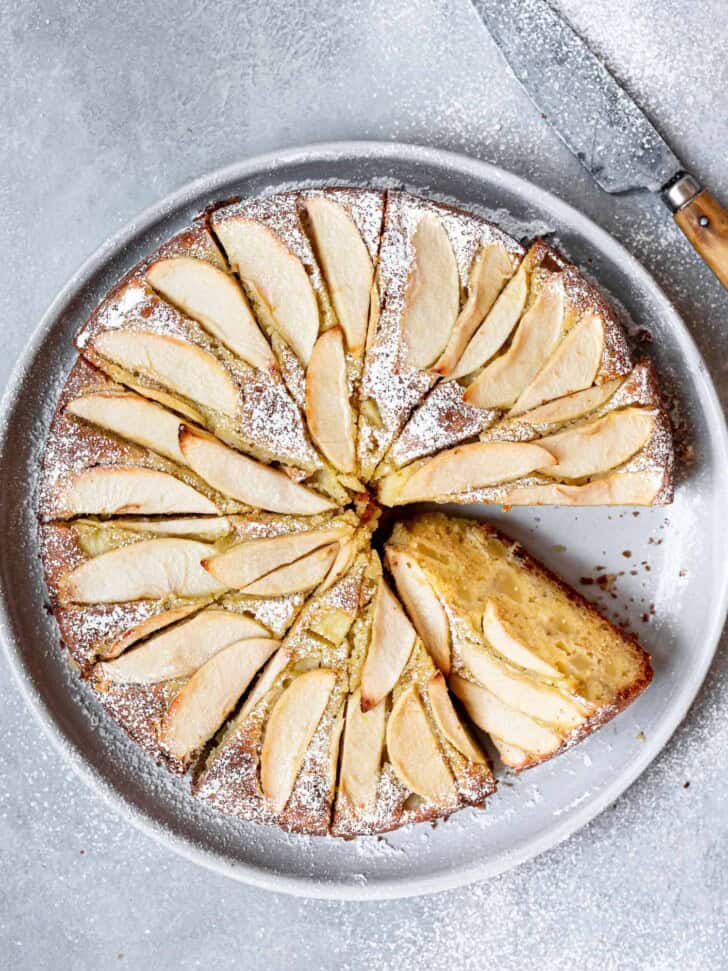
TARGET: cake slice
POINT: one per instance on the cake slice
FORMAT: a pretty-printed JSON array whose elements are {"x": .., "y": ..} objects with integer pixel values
[
  {"x": 112, "y": 452},
  {"x": 430, "y": 256},
  {"x": 607, "y": 445},
  {"x": 114, "y": 583},
  {"x": 534, "y": 664},
  {"x": 189, "y": 360},
  {"x": 550, "y": 334},
  {"x": 276, "y": 761},
  {"x": 173, "y": 658},
  {"x": 406, "y": 756},
  {"x": 306, "y": 261}
]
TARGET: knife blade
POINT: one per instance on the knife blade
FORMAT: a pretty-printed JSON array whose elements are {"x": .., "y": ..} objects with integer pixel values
[{"x": 599, "y": 122}]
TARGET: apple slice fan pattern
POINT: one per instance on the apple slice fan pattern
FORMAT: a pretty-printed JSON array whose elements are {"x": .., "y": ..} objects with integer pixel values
[{"x": 245, "y": 402}]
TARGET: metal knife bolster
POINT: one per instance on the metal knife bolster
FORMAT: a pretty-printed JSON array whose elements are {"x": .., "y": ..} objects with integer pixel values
[{"x": 680, "y": 190}]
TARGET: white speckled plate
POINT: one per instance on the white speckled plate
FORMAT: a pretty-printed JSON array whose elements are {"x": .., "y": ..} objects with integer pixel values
[{"x": 670, "y": 563}]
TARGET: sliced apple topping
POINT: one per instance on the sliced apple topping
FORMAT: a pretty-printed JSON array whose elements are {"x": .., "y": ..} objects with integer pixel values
[
  {"x": 245, "y": 479},
  {"x": 210, "y": 695},
  {"x": 328, "y": 410},
  {"x": 390, "y": 645},
  {"x": 177, "y": 364},
  {"x": 245, "y": 562},
  {"x": 346, "y": 265},
  {"x": 117, "y": 490},
  {"x": 181, "y": 650},
  {"x": 133, "y": 418},
  {"x": 210, "y": 529},
  {"x": 491, "y": 270},
  {"x": 447, "y": 720},
  {"x": 276, "y": 277},
  {"x": 414, "y": 753},
  {"x": 423, "y": 605},
  {"x": 265, "y": 682},
  {"x": 304, "y": 574},
  {"x": 496, "y": 328},
  {"x": 501, "y": 721},
  {"x": 617, "y": 489},
  {"x": 171, "y": 401},
  {"x": 522, "y": 692},
  {"x": 506, "y": 641},
  {"x": 145, "y": 629},
  {"x": 291, "y": 726},
  {"x": 344, "y": 559},
  {"x": 502, "y": 381},
  {"x": 572, "y": 367},
  {"x": 463, "y": 469},
  {"x": 149, "y": 570},
  {"x": 572, "y": 406},
  {"x": 361, "y": 756},
  {"x": 214, "y": 299},
  {"x": 600, "y": 445},
  {"x": 433, "y": 294}
]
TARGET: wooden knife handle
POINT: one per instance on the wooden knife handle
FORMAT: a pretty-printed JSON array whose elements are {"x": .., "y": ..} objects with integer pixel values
[{"x": 705, "y": 223}]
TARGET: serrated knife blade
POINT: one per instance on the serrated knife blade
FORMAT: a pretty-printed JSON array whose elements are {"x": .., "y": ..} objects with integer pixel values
[{"x": 599, "y": 122}]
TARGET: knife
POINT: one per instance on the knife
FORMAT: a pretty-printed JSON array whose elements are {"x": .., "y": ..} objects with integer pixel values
[{"x": 599, "y": 122}]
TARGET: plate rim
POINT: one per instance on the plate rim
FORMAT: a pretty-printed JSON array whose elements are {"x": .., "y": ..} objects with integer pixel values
[{"x": 390, "y": 887}]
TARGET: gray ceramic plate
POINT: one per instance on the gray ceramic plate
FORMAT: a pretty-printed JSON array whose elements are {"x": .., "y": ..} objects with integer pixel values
[{"x": 675, "y": 574}]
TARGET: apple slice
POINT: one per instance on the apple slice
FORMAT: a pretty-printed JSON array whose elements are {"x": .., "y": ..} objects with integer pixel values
[
  {"x": 496, "y": 328},
  {"x": 245, "y": 562},
  {"x": 304, "y": 574},
  {"x": 510, "y": 755},
  {"x": 210, "y": 529},
  {"x": 181, "y": 650},
  {"x": 390, "y": 645},
  {"x": 433, "y": 294},
  {"x": 502, "y": 381},
  {"x": 490, "y": 272},
  {"x": 171, "y": 401},
  {"x": 328, "y": 411},
  {"x": 133, "y": 418},
  {"x": 448, "y": 722},
  {"x": 276, "y": 277},
  {"x": 463, "y": 469},
  {"x": 573, "y": 405},
  {"x": 572, "y": 367},
  {"x": 361, "y": 756},
  {"x": 117, "y": 490},
  {"x": 147, "y": 627},
  {"x": 214, "y": 299},
  {"x": 265, "y": 682},
  {"x": 617, "y": 489},
  {"x": 346, "y": 265},
  {"x": 344, "y": 559},
  {"x": 414, "y": 753},
  {"x": 291, "y": 726},
  {"x": 149, "y": 570},
  {"x": 425, "y": 610},
  {"x": 504, "y": 639},
  {"x": 210, "y": 695},
  {"x": 502, "y": 722},
  {"x": 244, "y": 479},
  {"x": 600, "y": 445},
  {"x": 177, "y": 364},
  {"x": 520, "y": 691}
]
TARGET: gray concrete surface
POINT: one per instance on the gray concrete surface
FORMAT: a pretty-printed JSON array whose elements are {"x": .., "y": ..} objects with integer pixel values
[{"x": 104, "y": 108}]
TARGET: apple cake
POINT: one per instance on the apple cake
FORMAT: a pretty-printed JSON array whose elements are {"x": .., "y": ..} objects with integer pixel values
[{"x": 245, "y": 402}]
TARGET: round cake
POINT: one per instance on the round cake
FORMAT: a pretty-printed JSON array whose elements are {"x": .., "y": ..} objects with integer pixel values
[{"x": 246, "y": 402}]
